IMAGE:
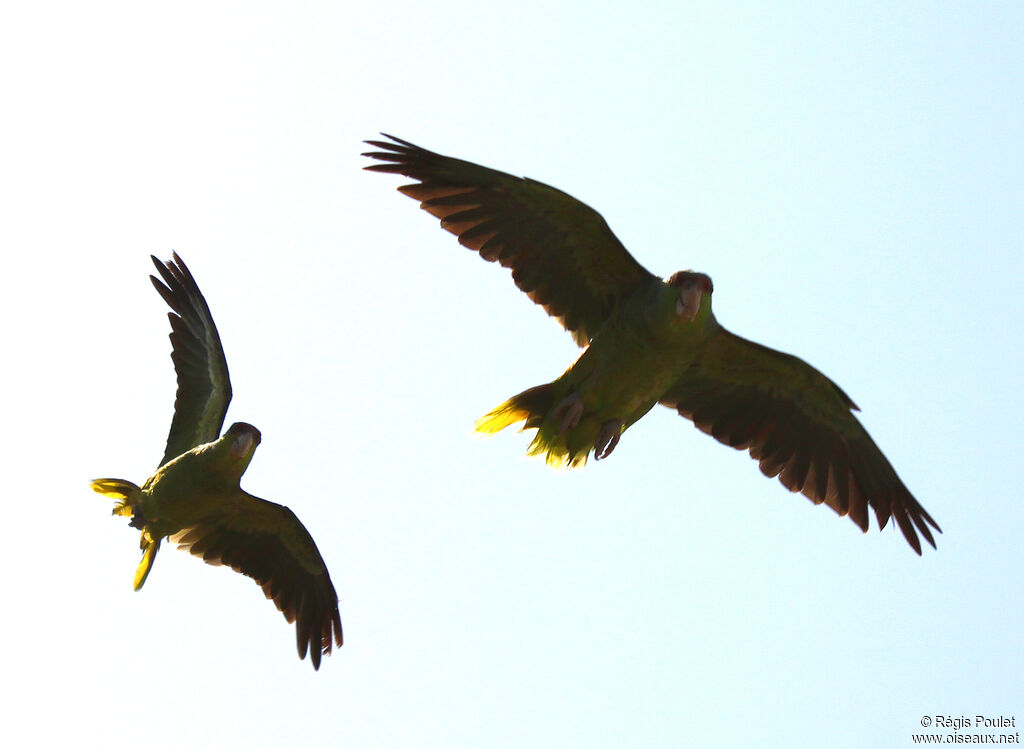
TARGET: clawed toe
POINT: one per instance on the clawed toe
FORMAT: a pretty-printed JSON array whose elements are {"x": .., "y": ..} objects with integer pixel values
[
  {"x": 607, "y": 439},
  {"x": 569, "y": 410},
  {"x": 138, "y": 519}
]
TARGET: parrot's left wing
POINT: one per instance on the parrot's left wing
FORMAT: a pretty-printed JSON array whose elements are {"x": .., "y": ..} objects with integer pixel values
[
  {"x": 204, "y": 388},
  {"x": 799, "y": 426},
  {"x": 561, "y": 251},
  {"x": 266, "y": 541}
]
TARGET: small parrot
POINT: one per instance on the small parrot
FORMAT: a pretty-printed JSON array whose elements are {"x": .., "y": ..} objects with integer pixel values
[
  {"x": 648, "y": 341},
  {"x": 194, "y": 498}
]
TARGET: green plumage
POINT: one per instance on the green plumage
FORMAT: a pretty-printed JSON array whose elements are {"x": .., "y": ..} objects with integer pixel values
[
  {"x": 195, "y": 499},
  {"x": 649, "y": 341},
  {"x": 620, "y": 376}
]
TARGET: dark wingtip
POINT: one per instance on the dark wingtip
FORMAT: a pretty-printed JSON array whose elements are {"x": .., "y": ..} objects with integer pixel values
[
  {"x": 396, "y": 139},
  {"x": 160, "y": 265},
  {"x": 393, "y": 150}
]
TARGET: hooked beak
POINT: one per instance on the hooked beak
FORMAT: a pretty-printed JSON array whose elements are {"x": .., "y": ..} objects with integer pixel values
[
  {"x": 245, "y": 442},
  {"x": 688, "y": 303}
]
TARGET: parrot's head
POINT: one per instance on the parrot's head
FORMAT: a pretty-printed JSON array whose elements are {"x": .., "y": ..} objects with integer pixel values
[
  {"x": 239, "y": 443},
  {"x": 692, "y": 287}
]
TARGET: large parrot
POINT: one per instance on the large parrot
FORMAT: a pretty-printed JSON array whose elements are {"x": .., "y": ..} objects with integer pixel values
[
  {"x": 649, "y": 341},
  {"x": 194, "y": 498}
]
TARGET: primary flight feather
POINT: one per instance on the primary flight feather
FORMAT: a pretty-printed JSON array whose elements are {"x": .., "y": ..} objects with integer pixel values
[
  {"x": 649, "y": 341},
  {"x": 194, "y": 498}
]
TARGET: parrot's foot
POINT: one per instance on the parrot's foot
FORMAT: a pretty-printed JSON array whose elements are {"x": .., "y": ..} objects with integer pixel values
[
  {"x": 138, "y": 519},
  {"x": 569, "y": 410},
  {"x": 607, "y": 439}
]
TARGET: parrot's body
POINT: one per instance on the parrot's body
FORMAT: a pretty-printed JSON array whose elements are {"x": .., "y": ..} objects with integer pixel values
[
  {"x": 649, "y": 341},
  {"x": 637, "y": 354},
  {"x": 195, "y": 499}
]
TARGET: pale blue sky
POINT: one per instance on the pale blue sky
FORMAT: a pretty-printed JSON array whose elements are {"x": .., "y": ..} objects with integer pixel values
[{"x": 849, "y": 174}]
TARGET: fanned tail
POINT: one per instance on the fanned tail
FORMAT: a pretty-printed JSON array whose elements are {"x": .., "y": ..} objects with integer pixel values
[
  {"x": 128, "y": 504},
  {"x": 127, "y": 494},
  {"x": 532, "y": 407},
  {"x": 529, "y": 406}
]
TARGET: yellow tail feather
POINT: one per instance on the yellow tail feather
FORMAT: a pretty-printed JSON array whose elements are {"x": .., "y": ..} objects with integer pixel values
[
  {"x": 127, "y": 494},
  {"x": 150, "y": 548},
  {"x": 530, "y": 406},
  {"x": 129, "y": 499},
  {"x": 560, "y": 451},
  {"x": 505, "y": 415},
  {"x": 568, "y": 450}
]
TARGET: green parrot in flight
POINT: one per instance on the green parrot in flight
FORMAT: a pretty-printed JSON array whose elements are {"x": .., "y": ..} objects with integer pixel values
[
  {"x": 194, "y": 498},
  {"x": 649, "y": 341}
]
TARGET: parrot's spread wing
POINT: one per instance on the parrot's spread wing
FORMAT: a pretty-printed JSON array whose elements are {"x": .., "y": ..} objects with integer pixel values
[
  {"x": 798, "y": 425},
  {"x": 266, "y": 542},
  {"x": 561, "y": 251},
  {"x": 204, "y": 390}
]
